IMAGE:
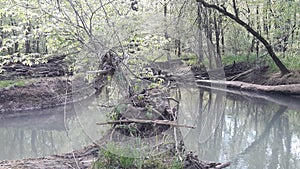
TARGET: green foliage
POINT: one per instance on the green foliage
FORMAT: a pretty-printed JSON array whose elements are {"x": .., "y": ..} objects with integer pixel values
[
  {"x": 159, "y": 163},
  {"x": 11, "y": 83},
  {"x": 127, "y": 157},
  {"x": 118, "y": 156},
  {"x": 90, "y": 27},
  {"x": 191, "y": 59},
  {"x": 292, "y": 62},
  {"x": 115, "y": 114},
  {"x": 230, "y": 59}
]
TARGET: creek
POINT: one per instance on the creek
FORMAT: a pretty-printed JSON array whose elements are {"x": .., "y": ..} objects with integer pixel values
[
  {"x": 38, "y": 133},
  {"x": 261, "y": 131},
  {"x": 249, "y": 130}
]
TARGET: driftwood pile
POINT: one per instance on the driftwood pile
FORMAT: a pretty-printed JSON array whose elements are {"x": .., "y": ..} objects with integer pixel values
[
  {"x": 107, "y": 67},
  {"x": 192, "y": 162},
  {"x": 55, "y": 66},
  {"x": 145, "y": 114},
  {"x": 241, "y": 71},
  {"x": 150, "y": 113},
  {"x": 246, "y": 77}
]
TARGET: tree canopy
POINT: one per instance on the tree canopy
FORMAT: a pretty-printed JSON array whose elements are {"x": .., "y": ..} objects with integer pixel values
[{"x": 33, "y": 30}]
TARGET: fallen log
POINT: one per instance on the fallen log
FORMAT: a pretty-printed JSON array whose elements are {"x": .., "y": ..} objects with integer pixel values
[
  {"x": 293, "y": 89},
  {"x": 235, "y": 77},
  {"x": 202, "y": 72},
  {"x": 161, "y": 122}
]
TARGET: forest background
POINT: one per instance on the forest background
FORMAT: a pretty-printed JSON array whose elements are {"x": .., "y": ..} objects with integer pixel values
[{"x": 142, "y": 31}]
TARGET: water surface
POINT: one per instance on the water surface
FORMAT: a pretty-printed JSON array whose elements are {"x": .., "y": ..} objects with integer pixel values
[
  {"x": 39, "y": 133},
  {"x": 252, "y": 131},
  {"x": 246, "y": 129}
]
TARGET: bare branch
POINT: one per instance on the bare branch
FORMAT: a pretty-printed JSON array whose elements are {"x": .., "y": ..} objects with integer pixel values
[{"x": 162, "y": 122}]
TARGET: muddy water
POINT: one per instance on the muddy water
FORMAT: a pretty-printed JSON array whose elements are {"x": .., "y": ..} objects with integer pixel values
[
  {"x": 246, "y": 129},
  {"x": 251, "y": 131},
  {"x": 50, "y": 131}
]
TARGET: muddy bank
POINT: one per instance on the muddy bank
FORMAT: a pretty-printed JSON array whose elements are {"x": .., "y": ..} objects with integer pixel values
[
  {"x": 78, "y": 159},
  {"x": 41, "y": 93},
  {"x": 53, "y": 66},
  {"x": 246, "y": 72},
  {"x": 45, "y": 92},
  {"x": 248, "y": 77}
]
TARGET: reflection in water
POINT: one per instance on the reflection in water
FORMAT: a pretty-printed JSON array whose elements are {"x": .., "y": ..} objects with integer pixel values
[
  {"x": 251, "y": 133},
  {"x": 45, "y": 132}
]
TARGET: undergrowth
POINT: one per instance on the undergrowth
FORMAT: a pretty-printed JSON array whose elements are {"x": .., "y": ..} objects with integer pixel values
[
  {"x": 11, "y": 83},
  {"x": 126, "y": 157},
  {"x": 292, "y": 62}
]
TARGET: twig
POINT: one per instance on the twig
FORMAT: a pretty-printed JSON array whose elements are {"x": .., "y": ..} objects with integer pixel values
[
  {"x": 171, "y": 98},
  {"x": 163, "y": 122},
  {"x": 157, "y": 112},
  {"x": 223, "y": 165},
  {"x": 97, "y": 71}
]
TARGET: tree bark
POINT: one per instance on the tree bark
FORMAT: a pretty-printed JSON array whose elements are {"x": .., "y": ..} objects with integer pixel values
[
  {"x": 200, "y": 37},
  {"x": 27, "y": 41},
  {"x": 269, "y": 48},
  {"x": 293, "y": 89}
]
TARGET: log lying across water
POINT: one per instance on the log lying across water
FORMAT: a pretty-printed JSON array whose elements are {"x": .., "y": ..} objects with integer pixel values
[{"x": 292, "y": 89}]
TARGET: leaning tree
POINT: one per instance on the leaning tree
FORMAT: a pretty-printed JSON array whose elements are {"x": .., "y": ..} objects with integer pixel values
[{"x": 255, "y": 33}]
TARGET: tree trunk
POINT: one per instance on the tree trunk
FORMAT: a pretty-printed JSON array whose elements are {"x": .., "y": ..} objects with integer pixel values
[
  {"x": 269, "y": 48},
  {"x": 257, "y": 28},
  {"x": 165, "y": 17},
  {"x": 217, "y": 35},
  {"x": 292, "y": 89},
  {"x": 178, "y": 47},
  {"x": 209, "y": 41},
  {"x": 27, "y": 41},
  {"x": 222, "y": 38},
  {"x": 38, "y": 45},
  {"x": 200, "y": 38}
]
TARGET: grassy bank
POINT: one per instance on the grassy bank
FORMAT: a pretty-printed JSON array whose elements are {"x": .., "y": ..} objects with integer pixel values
[
  {"x": 11, "y": 83},
  {"x": 126, "y": 157},
  {"x": 292, "y": 62}
]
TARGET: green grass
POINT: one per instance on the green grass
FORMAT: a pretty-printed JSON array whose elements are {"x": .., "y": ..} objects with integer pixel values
[
  {"x": 10, "y": 83},
  {"x": 192, "y": 59},
  {"x": 230, "y": 59},
  {"x": 291, "y": 62},
  {"x": 127, "y": 157},
  {"x": 118, "y": 156}
]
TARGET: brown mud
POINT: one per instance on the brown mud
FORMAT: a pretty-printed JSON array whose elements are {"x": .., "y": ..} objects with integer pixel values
[
  {"x": 248, "y": 73},
  {"x": 81, "y": 159},
  {"x": 41, "y": 93},
  {"x": 37, "y": 94}
]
